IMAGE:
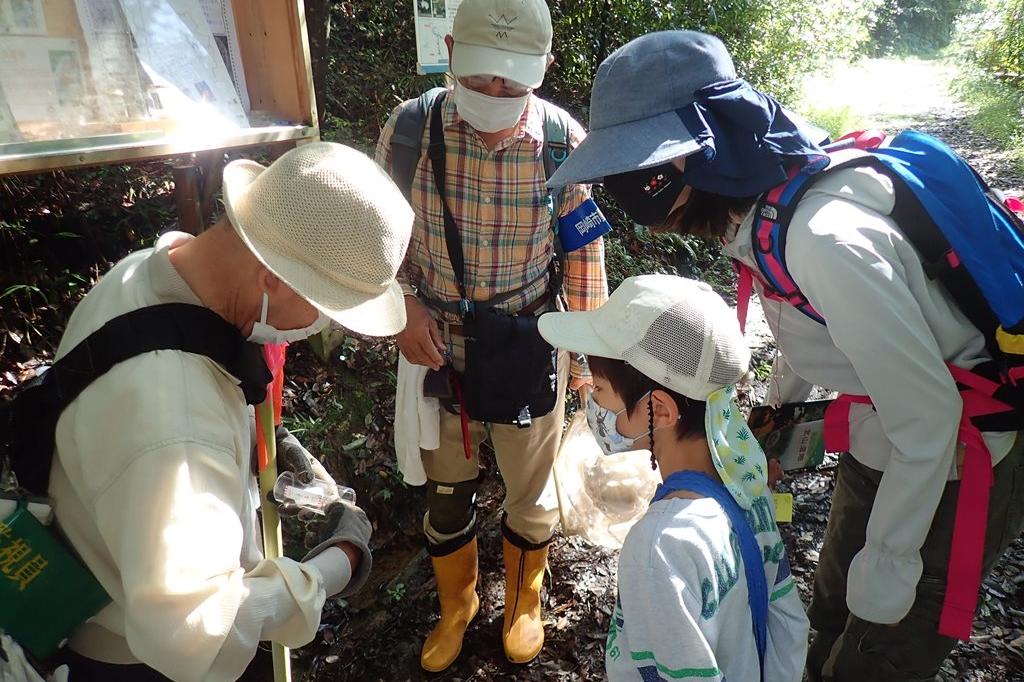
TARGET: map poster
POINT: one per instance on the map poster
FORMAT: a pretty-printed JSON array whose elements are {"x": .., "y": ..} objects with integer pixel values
[
  {"x": 433, "y": 20},
  {"x": 114, "y": 67},
  {"x": 22, "y": 17}
]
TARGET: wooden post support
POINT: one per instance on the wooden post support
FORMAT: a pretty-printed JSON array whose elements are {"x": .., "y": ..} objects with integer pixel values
[
  {"x": 212, "y": 167},
  {"x": 196, "y": 183},
  {"x": 188, "y": 196}
]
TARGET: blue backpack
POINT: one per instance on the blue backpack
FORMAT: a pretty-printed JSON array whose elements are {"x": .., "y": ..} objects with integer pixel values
[{"x": 967, "y": 237}]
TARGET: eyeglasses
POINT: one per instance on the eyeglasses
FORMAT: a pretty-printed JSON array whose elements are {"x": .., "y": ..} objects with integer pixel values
[{"x": 509, "y": 88}]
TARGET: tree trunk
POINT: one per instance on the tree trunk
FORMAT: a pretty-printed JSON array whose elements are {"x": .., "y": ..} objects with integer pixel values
[{"x": 318, "y": 26}]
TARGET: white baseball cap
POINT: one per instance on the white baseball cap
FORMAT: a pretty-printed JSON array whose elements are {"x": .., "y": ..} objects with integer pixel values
[
  {"x": 330, "y": 223},
  {"x": 506, "y": 38},
  {"x": 676, "y": 331}
]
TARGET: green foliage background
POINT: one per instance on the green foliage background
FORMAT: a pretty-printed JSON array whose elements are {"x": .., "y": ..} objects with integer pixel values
[
  {"x": 990, "y": 48},
  {"x": 372, "y": 61},
  {"x": 914, "y": 26},
  {"x": 1001, "y": 49}
]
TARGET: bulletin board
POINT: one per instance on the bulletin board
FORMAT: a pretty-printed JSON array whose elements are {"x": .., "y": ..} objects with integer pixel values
[{"x": 85, "y": 82}]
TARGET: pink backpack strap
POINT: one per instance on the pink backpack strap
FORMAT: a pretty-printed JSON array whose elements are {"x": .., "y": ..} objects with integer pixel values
[
  {"x": 744, "y": 290},
  {"x": 837, "y": 421},
  {"x": 963, "y": 578},
  {"x": 967, "y": 550}
]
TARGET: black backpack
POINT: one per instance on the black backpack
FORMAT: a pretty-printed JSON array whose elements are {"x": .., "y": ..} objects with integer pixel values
[{"x": 28, "y": 421}]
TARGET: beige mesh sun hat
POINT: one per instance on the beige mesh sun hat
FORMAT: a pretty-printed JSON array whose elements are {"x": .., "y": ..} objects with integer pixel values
[
  {"x": 331, "y": 224},
  {"x": 676, "y": 331}
]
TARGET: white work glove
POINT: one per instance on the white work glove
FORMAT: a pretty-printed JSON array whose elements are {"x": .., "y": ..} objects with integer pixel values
[{"x": 14, "y": 667}]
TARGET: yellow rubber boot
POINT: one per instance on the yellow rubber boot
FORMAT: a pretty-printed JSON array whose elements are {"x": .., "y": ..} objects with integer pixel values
[
  {"x": 456, "y": 590},
  {"x": 523, "y": 633}
]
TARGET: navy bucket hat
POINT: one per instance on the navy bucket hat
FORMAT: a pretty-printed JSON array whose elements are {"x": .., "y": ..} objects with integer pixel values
[{"x": 672, "y": 94}]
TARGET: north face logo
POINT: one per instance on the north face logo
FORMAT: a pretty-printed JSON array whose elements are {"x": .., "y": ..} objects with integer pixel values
[{"x": 502, "y": 24}]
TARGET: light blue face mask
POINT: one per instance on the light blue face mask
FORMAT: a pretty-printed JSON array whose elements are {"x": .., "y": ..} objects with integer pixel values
[{"x": 603, "y": 423}]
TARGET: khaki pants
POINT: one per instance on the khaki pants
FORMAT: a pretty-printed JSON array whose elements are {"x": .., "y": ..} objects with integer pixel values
[
  {"x": 847, "y": 648},
  {"x": 525, "y": 458}
]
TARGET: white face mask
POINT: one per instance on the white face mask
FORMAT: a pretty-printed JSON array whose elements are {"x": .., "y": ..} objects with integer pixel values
[
  {"x": 488, "y": 114},
  {"x": 263, "y": 333},
  {"x": 603, "y": 423}
]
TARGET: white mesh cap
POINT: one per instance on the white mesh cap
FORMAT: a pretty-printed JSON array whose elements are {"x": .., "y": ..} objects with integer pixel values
[
  {"x": 676, "y": 331},
  {"x": 331, "y": 224}
]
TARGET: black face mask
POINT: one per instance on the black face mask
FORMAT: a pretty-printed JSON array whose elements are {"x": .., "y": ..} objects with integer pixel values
[{"x": 647, "y": 195}]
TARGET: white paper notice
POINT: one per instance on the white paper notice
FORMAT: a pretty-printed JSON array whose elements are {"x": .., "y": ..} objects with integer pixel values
[
  {"x": 22, "y": 17},
  {"x": 221, "y": 20},
  {"x": 433, "y": 22},
  {"x": 8, "y": 125},
  {"x": 44, "y": 77},
  {"x": 113, "y": 65},
  {"x": 178, "y": 52}
]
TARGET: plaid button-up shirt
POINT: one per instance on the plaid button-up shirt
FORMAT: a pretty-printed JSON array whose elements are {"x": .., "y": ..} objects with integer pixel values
[{"x": 500, "y": 204}]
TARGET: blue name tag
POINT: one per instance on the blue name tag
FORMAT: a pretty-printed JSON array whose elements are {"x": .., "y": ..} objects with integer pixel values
[{"x": 582, "y": 226}]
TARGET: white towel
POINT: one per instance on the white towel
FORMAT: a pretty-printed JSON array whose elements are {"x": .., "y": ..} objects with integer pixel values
[{"x": 417, "y": 421}]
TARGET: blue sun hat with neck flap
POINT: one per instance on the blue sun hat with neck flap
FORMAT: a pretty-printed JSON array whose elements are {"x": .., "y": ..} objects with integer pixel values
[{"x": 676, "y": 94}]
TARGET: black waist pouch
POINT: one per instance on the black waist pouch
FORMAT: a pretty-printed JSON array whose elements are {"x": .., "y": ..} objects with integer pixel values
[{"x": 511, "y": 374}]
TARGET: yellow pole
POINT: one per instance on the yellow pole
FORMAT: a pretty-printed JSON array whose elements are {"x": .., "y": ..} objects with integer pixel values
[{"x": 272, "y": 542}]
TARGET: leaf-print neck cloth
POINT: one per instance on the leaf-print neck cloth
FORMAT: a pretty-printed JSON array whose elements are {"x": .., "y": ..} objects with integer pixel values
[{"x": 737, "y": 455}]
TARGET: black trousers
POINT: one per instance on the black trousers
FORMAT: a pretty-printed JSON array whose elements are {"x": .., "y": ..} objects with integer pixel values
[{"x": 84, "y": 669}]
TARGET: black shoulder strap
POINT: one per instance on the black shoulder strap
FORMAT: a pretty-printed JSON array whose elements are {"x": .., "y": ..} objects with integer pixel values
[
  {"x": 169, "y": 326},
  {"x": 28, "y": 422},
  {"x": 407, "y": 139},
  {"x": 438, "y": 162},
  {"x": 453, "y": 242}
]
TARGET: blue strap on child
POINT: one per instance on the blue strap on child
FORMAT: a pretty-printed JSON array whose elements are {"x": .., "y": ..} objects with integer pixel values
[{"x": 750, "y": 548}]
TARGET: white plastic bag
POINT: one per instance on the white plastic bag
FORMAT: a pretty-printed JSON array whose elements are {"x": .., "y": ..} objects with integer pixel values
[
  {"x": 600, "y": 496},
  {"x": 16, "y": 667}
]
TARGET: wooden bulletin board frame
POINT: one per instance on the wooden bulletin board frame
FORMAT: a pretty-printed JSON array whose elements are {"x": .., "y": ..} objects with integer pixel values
[{"x": 274, "y": 49}]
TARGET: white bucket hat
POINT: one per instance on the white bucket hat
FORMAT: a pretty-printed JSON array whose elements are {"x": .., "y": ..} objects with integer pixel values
[
  {"x": 506, "y": 38},
  {"x": 331, "y": 224}
]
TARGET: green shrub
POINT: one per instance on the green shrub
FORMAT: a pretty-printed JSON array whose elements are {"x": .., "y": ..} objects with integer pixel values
[
  {"x": 1000, "y": 51},
  {"x": 990, "y": 47},
  {"x": 371, "y": 60},
  {"x": 837, "y": 120},
  {"x": 914, "y": 27},
  {"x": 997, "y": 110}
]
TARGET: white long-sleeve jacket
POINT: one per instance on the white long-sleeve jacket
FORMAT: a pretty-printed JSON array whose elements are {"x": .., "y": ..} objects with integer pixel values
[
  {"x": 153, "y": 488},
  {"x": 890, "y": 332}
]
